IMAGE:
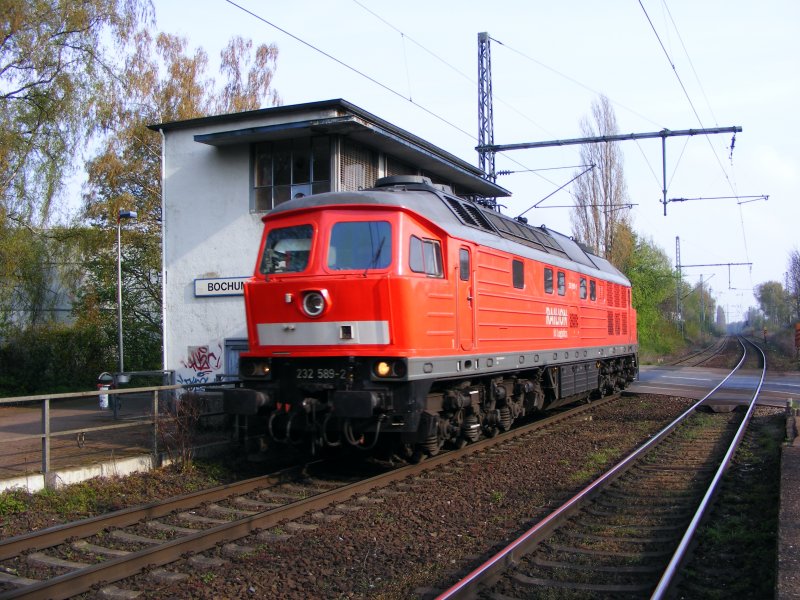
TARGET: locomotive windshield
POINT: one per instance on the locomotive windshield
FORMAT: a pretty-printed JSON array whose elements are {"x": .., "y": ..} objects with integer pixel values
[
  {"x": 287, "y": 249},
  {"x": 360, "y": 245}
]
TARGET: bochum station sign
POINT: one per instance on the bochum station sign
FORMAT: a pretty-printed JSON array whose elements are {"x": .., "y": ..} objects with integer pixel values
[{"x": 223, "y": 286}]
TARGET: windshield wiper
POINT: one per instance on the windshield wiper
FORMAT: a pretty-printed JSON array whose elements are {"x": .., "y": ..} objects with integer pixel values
[{"x": 374, "y": 262}]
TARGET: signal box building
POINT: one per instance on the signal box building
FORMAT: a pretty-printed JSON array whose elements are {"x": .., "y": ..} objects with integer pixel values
[{"x": 221, "y": 174}]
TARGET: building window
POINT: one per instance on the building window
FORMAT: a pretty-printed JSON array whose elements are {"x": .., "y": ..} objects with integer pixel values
[
  {"x": 395, "y": 166},
  {"x": 425, "y": 256},
  {"x": 518, "y": 274},
  {"x": 358, "y": 166},
  {"x": 562, "y": 283},
  {"x": 548, "y": 281},
  {"x": 289, "y": 169}
]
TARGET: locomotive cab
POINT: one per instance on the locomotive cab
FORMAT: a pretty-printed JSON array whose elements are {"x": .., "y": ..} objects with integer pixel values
[{"x": 328, "y": 319}]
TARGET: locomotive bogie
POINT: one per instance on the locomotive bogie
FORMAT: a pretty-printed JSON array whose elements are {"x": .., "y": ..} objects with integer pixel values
[{"x": 408, "y": 314}]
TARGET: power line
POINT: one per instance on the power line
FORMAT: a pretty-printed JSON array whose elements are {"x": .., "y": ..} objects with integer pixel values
[
  {"x": 686, "y": 93},
  {"x": 689, "y": 58},
  {"x": 572, "y": 80},
  {"x": 349, "y": 67},
  {"x": 455, "y": 69}
]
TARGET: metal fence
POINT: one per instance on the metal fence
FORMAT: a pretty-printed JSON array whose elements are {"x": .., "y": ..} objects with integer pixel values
[{"x": 146, "y": 406}]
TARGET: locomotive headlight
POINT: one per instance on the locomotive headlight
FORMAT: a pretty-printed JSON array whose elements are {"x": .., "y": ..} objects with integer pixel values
[
  {"x": 250, "y": 368},
  {"x": 390, "y": 368},
  {"x": 313, "y": 304}
]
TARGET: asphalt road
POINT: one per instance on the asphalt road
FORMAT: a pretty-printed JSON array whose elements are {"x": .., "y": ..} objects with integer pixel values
[{"x": 696, "y": 382}]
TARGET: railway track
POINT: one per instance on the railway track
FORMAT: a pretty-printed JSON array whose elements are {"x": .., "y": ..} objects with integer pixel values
[
  {"x": 627, "y": 533},
  {"x": 72, "y": 558},
  {"x": 700, "y": 357}
]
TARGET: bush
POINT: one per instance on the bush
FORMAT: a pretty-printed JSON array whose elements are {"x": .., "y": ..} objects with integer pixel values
[{"x": 54, "y": 357}]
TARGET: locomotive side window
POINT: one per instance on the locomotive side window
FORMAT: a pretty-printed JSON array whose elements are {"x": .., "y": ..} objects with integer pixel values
[
  {"x": 592, "y": 290},
  {"x": 583, "y": 288},
  {"x": 425, "y": 256},
  {"x": 548, "y": 281},
  {"x": 287, "y": 250},
  {"x": 463, "y": 264},
  {"x": 518, "y": 274},
  {"x": 562, "y": 283},
  {"x": 360, "y": 245}
]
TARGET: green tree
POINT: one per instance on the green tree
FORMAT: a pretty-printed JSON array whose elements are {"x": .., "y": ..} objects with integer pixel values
[
  {"x": 162, "y": 81},
  {"x": 653, "y": 282},
  {"x": 774, "y": 303},
  {"x": 721, "y": 321},
  {"x": 53, "y": 62}
]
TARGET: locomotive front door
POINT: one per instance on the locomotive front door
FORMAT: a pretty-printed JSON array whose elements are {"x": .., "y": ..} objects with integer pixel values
[{"x": 465, "y": 303}]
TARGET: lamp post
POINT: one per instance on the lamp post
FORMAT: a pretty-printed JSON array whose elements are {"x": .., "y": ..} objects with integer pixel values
[{"x": 123, "y": 214}]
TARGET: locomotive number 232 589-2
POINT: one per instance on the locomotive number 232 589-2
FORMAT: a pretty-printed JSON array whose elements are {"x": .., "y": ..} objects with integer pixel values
[{"x": 311, "y": 373}]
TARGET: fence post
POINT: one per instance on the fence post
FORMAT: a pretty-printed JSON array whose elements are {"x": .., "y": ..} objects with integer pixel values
[
  {"x": 156, "y": 462},
  {"x": 45, "y": 437}
]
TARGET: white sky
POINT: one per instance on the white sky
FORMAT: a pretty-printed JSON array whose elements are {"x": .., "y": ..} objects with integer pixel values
[{"x": 739, "y": 61}]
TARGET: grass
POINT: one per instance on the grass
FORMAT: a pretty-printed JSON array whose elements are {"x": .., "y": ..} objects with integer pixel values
[{"x": 594, "y": 464}]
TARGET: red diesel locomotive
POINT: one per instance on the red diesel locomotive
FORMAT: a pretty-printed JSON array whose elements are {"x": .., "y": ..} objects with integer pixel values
[{"x": 407, "y": 316}]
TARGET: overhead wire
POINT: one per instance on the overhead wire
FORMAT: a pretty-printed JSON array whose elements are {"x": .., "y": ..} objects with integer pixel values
[
  {"x": 351, "y": 68},
  {"x": 731, "y": 183},
  {"x": 471, "y": 80},
  {"x": 689, "y": 58},
  {"x": 685, "y": 93},
  {"x": 585, "y": 87},
  {"x": 573, "y": 80}
]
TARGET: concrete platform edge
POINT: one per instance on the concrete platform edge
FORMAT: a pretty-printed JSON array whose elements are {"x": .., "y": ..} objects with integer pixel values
[{"x": 34, "y": 482}]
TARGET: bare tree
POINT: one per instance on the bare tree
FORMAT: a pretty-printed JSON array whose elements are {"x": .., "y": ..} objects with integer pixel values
[
  {"x": 601, "y": 199},
  {"x": 793, "y": 282}
]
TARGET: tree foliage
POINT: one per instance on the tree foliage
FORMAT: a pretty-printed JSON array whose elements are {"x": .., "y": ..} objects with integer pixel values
[
  {"x": 162, "y": 81},
  {"x": 600, "y": 218},
  {"x": 52, "y": 66},
  {"x": 793, "y": 283},
  {"x": 774, "y": 303},
  {"x": 70, "y": 74},
  {"x": 653, "y": 296}
]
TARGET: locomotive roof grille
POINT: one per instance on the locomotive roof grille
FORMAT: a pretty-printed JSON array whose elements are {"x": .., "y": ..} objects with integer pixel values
[
  {"x": 404, "y": 191},
  {"x": 499, "y": 224}
]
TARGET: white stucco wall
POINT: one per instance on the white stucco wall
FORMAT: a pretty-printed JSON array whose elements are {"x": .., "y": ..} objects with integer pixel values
[{"x": 209, "y": 232}]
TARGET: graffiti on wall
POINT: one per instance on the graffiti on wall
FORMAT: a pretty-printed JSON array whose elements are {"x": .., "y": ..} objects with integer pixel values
[{"x": 199, "y": 364}]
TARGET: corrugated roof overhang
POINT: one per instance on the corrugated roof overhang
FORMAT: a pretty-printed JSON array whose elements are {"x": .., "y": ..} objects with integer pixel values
[{"x": 357, "y": 124}]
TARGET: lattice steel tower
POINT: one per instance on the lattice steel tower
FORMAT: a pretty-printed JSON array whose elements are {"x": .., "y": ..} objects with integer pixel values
[{"x": 485, "y": 111}]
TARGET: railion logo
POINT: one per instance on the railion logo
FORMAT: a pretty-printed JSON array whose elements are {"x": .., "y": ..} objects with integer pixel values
[{"x": 555, "y": 316}]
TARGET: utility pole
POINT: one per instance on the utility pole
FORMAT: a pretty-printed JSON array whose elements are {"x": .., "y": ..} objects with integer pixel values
[
  {"x": 679, "y": 270},
  {"x": 678, "y": 282},
  {"x": 486, "y": 148},
  {"x": 485, "y": 110}
]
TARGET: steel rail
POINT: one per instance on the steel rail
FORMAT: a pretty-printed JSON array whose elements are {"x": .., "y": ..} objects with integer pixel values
[
  {"x": 712, "y": 351},
  {"x": 115, "y": 569},
  {"x": 492, "y": 568},
  {"x": 52, "y": 536},
  {"x": 671, "y": 571}
]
